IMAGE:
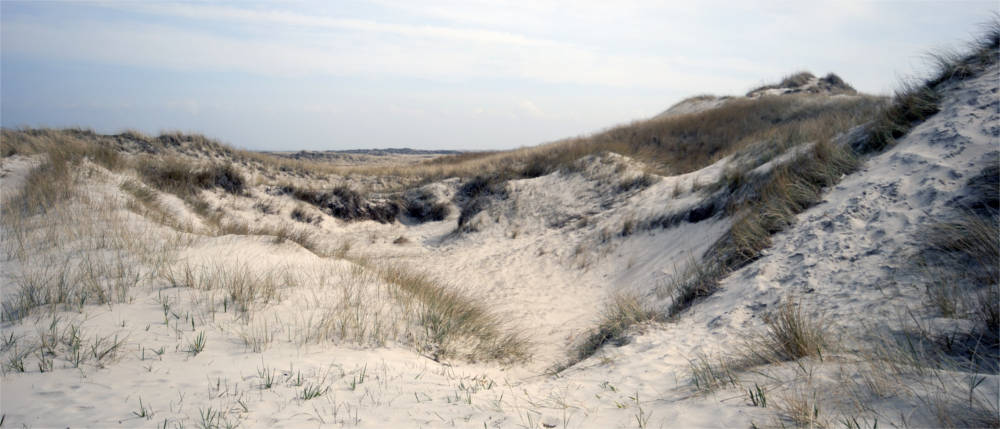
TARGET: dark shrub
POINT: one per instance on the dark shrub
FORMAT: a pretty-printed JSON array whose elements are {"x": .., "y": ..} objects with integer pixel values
[
  {"x": 225, "y": 177},
  {"x": 470, "y": 209},
  {"x": 299, "y": 214},
  {"x": 911, "y": 105},
  {"x": 476, "y": 194},
  {"x": 183, "y": 178},
  {"x": 480, "y": 185},
  {"x": 422, "y": 206},
  {"x": 796, "y": 80},
  {"x": 641, "y": 181},
  {"x": 345, "y": 203},
  {"x": 983, "y": 191},
  {"x": 834, "y": 84}
]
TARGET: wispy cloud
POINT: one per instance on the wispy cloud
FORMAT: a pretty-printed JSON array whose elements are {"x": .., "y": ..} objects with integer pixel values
[
  {"x": 279, "y": 17},
  {"x": 463, "y": 54}
]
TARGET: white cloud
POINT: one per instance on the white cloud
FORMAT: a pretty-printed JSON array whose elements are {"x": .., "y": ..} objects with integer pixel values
[
  {"x": 286, "y": 18},
  {"x": 163, "y": 46},
  {"x": 530, "y": 108}
]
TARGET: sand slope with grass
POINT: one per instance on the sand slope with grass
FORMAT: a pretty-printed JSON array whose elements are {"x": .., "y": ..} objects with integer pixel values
[{"x": 776, "y": 260}]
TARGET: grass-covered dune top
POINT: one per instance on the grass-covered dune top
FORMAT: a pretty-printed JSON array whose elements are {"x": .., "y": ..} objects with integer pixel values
[
  {"x": 181, "y": 163},
  {"x": 669, "y": 145},
  {"x": 682, "y": 143}
]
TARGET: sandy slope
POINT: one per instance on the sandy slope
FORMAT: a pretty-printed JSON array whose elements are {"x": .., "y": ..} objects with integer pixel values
[{"x": 538, "y": 262}]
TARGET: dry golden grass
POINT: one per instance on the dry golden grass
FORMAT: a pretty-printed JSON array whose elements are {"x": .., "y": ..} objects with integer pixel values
[
  {"x": 802, "y": 410},
  {"x": 669, "y": 145},
  {"x": 677, "y": 144},
  {"x": 915, "y": 102},
  {"x": 456, "y": 324},
  {"x": 621, "y": 313},
  {"x": 65, "y": 259},
  {"x": 792, "y": 334},
  {"x": 760, "y": 206},
  {"x": 789, "y": 335},
  {"x": 185, "y": 178}
]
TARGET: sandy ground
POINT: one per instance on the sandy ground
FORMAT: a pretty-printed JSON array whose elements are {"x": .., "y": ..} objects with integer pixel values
[{"x": 547, "y": 259}]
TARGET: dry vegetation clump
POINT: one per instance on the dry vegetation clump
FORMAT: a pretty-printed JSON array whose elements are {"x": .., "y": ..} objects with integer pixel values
[
  {"x": 641, "y": 181},
  {"x": 423, "y": 206},
  {"x": 345, "y": 203},
  {"x": 620, "y": 314},
  {"x": 770, "y": 205},
  {"x": 299, "y": 214},
  {"x": 796, "y": 80},
  {"x": 475, "y": 194},
  {"x": 791, "y": 81},
  {"x": 281, "y": 233},
  {"x": 146, "y": 202},
  {"x": 830, "y": 84},
  {"x": 38, "y": 141},
  {"x": 792, "y": 335},
  {"x": 185, "y": 179},
  {"x": 245, "y": 288},
  {"x": 911, "y": 105},
  {"x": 45, "y": 186},
  {"x": 696, "y": 280},
  {"x": 915, "y": 102},
  {"x": 960, "y": 261},
  {"x": 802, "y": 410},
  {"x": 59, "y": 148},
  {"x": 454, "y": 323},
  {"x": 835, "y": 85},
  {"x": 789, "y": 335},
  {"x": 182, "y": 176}
]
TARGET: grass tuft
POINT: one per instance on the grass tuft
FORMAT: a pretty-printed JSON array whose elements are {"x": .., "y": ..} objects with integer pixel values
[
  {"x": 185, "y": 178},
  {"x": 792, "y": 335},
  {"x": 197, "y": 344},
  {"x": 454, "y": 323},
  {"x": 312, "y": 391},
  {"x": 621, "y": 313}
]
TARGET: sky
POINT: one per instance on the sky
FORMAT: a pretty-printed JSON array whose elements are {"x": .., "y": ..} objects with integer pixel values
[{"x": 465, "y": 75}]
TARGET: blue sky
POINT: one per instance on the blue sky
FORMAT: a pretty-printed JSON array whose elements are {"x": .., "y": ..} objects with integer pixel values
[{"x": 434, "y": 74}]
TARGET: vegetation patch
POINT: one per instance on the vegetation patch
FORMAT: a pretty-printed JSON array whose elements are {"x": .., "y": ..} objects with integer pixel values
[
  {"x": 475, "y": 195},
  {"x": 423, "y": 206},
  {"x": 794, "y": 83},
  {"x": 960, "y": 263},
  {"x": 623, "y": 312},
  {"x": 185, "y": 178},
  {"x": 761, "y": 208},
  {"x": 914, "y": 103},
  {"x": 347, "y": 204},
  {"x": 455, "y": 324}
]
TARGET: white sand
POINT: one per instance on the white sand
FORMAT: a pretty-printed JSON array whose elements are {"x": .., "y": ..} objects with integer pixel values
[{"x": 533, "y": 261}]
